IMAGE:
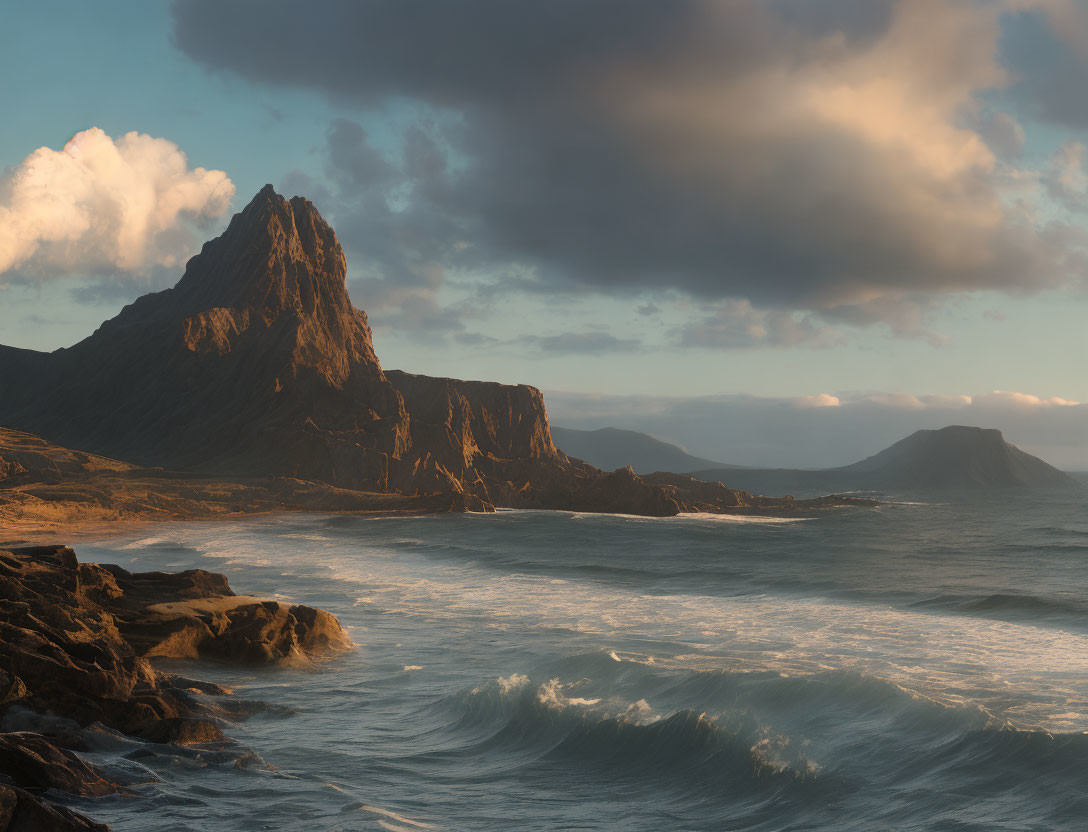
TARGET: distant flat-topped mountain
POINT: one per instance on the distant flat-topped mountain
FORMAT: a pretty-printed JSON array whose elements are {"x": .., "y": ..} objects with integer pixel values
[
  {"x": 612, "y": 448},
  {"x": 954, "y": 457}
]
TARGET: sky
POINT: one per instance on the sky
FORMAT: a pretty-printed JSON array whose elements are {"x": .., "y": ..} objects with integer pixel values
[{"x": 774, "y": 231}]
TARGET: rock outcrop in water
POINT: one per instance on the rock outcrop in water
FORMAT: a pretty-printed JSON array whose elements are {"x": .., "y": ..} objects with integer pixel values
[
  {"x": 75, "y": 644},
  {"x": 954, "y": 457}
]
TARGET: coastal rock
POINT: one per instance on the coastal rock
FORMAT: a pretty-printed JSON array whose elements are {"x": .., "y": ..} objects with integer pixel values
[
  {"x": 75, "y": 643},
  {"x": 21, "y": 811},
  {"x": 12, "y": 688},
  {"x": 78, "y": 636},
  {"x": 697, "y": 496},
  {"x": 183, "y": 731},
  {"x": 31, "y": 761},
  {"x": 234, "y": 628}
]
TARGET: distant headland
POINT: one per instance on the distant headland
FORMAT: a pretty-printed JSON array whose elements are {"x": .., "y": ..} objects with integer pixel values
[{"x": 253, "y": 385}]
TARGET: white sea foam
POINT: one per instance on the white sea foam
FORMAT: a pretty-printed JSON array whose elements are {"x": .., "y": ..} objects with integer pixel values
[
  {"x": 400, "y": 819},
  {"x": 738, "y": 518},
  {"x": 637, "y": 658},
  {"x": 1029, "y": 674},
  {"x": 140, "y": 544},
  {"x": 684, "y": 517},
  {"x": 552, "y": 694},
  {"x": 515, "y": 681}
]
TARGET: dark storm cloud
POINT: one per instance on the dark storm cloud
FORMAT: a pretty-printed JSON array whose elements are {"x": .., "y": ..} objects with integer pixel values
[
  {"x": 352, "y": 159},
  {"x": 736, "y": 325},
  {"x": 1047, "y": 50},
  {"x": 797, "y": 155},
  {"x": 454, "y": 54}
]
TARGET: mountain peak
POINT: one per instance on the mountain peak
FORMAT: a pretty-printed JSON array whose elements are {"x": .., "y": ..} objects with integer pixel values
[
  {"x": 277, "y": 274},
  {"x": 276, "y": 255}
]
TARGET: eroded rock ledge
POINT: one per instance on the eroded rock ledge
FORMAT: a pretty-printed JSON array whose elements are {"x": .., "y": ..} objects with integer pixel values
[{"x": 76, "y": 641}]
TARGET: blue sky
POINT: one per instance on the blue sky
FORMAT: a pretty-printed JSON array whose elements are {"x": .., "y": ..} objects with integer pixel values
[{"x": 507, "y": 202}]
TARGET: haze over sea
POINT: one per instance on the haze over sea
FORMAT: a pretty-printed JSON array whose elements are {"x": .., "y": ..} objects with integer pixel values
[{"x": 918, "y": 666}]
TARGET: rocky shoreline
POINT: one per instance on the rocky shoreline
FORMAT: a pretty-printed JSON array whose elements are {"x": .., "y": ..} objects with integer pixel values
[
  {"x": 48, "y": 491},
  {"x": 77, "y": 642}
]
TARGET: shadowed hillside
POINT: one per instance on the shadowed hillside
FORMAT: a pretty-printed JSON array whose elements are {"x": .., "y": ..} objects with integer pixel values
[
  {"x": 612, "y": 448},
  {"x": 950, "y": 458}
]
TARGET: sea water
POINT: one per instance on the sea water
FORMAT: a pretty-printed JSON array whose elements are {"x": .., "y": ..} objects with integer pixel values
[{"x": 922, "y": 665}]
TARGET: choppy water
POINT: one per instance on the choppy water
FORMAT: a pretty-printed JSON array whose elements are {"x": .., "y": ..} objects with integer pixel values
[{"x": 923, "y": 665}]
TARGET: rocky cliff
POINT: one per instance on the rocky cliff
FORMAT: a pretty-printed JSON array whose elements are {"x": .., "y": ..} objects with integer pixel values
[
  {"x": 254, "y": 363},
  {"x": 257, "y": 365}
]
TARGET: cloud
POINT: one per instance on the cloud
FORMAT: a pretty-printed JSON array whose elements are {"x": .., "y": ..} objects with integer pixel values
[
  {"x": 423, "y": 316},
  {"x": 998, "y": 398},
  {"x": 825, "y": 430},
  {"x": 400, "y": 247},
  {"x": 1045, "y": 47},
  {"x": 594, "y": 342},
  {"x": 821, "y": 400},
  {"x": 798, "y": 156},
  {"x": 106, "y": 207},
  {"x": 1003, "y": 134},
  {"x": 738, "y": 325},
  {"x": 475, "y": 339},
  {"x": 1066, "y": 179}
]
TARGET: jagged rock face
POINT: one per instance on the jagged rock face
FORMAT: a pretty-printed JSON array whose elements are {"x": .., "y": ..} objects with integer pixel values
[
  {"x": 74, "y": 645},
  {"x": 493, "y": 441},
  {"x": 21, "y": 811},
  {"x": 255, "y": 363},
  {"x": 457, "y": 421},
  {"x": 75, "y": 637}
]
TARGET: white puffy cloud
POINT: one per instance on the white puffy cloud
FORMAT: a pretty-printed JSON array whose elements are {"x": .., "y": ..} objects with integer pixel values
[
  {"x": 105, "y": 206},
  {"x": 1006, "y": 397},
  {"x": 821, "y": 400}
]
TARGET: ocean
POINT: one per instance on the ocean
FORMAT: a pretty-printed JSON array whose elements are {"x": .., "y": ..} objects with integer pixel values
[{"x": 922, "y": 665}]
